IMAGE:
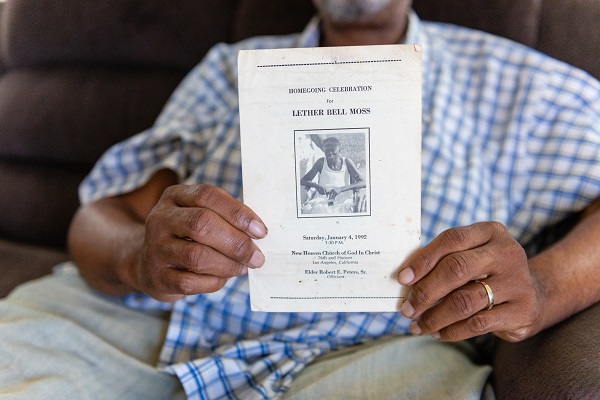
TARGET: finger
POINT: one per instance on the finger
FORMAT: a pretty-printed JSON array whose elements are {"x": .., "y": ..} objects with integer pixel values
[
  {"x": 510, "y": 321},
  {"x": 478, "y": 324},
  {"x": 452, "y": 272},
  {"x": 200, "y": 259},
  {"x": 422, "y": 261},
  {"x": 178, "y": 282},
  {"x": 208, "y": 228},
  {"x": 231, "y": 210},
  {"x": 457, "y": 306}
]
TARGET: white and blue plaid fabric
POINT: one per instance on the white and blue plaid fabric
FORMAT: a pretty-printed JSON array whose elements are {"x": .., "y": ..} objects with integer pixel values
[{"x": 508, "y": 135}]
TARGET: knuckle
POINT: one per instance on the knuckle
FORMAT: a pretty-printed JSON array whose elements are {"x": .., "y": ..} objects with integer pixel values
[
  {"x": 241, "y": 249},
  {"x": 169, "y": 192},
  {"x": 497, "y": 228},
  {"x": 205, "y": 193},
  {"x": 186, "y": 285},
  {"x": 230, "y": 268},
  {"x": 517, "y": 253},
  {"x": 193, "y": 255},
  {"x": 479, "y": 324},
  {"x": 419, "y": 296},
  {"x": 214, "y": 284},
  {"x": 428, "y": 322},
  {"x": 238, "y": 215},
  {"x": 191, "y": 284},
  {"x": 423, "y": 261},
  {"x": 456, "y": 267},
  {"x": 425, "y": 258},
  {"x": 450, "y": 332},
  {"x": 154, "y": 219},
  {"x": 199, "y": 222},
  {"x": 514, "y": 258},
  {"x": 462, "y": 302},
  {"x": 454, "y": 236},
  {"x": 520, "y": 335}
]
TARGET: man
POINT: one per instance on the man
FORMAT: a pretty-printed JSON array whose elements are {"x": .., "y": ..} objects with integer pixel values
[
  {"x": 337, "y": 174},
  {"x": 508, "y": 136}
]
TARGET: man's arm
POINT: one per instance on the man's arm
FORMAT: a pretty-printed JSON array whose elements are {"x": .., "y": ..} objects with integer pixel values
[
  {"x": 569, "y": 271},
  {"x": 530, "y": 295},
  {"x": 355, "y": 175},
  {"x": 307, "y": 179},
  {"x": 164, "y": 239}
]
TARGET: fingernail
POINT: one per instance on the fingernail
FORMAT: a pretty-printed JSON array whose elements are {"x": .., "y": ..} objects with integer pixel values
[
  {"x": 407, "y": 309},
  {"x": 257, "y": 260},
  {"x": 414, "y": 328},
  {"x": 436, "y": 335},
  {"x": 406, "y": 276},
  {"x": 257, "y": 229},
  {"x": 244, "y": 271}
]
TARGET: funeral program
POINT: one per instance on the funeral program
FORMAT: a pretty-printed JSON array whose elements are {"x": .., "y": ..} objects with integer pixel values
[{"x": 331, "y": 161}]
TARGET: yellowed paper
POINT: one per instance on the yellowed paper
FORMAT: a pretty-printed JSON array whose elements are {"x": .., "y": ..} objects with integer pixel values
[{"x": 331, "y": 158}]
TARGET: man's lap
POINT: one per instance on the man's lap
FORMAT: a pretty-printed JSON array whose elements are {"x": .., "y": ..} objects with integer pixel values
[
  {"x": 396, "y": 368},
  {"x": 62, "y": 340}
]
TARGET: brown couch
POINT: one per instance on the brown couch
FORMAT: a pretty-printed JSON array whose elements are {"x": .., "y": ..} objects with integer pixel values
[{"x": 77, "y": 76}]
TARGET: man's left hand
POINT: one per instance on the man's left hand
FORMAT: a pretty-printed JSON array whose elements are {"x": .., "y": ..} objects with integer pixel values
[{"x": 447, "y": 298}]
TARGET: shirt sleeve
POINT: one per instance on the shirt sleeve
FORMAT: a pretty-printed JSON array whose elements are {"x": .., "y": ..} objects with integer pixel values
[
  {"x": 177, "y": 138},
  {"x": 564, "y": 147}
]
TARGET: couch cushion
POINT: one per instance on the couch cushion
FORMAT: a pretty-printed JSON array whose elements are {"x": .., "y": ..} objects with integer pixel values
[
  {"x": 570, "y": 31},
  {"x": 1, "y": 56},
  {"x": 133, "y": 32},
  {"x": 515, "y": 19},
  {"x": 71, "y": 115},
  {"x": 284, "y": 17},
  {"x": 560, "y": 362},
  {"x": 37, "y": 202},
  {"x": 20, "y": 263}
]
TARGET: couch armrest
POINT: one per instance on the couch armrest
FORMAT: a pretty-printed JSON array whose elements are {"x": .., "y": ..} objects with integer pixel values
[{"x": 562, "y": 362}]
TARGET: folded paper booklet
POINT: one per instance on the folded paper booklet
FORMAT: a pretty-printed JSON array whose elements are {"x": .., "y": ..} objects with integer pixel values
[{"x": 331, "y": 160}]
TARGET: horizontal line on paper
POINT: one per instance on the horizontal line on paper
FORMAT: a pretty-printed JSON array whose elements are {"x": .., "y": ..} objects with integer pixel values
[
  {"x": 326, "y": 63},
  {"x": 337, "y": 297}
]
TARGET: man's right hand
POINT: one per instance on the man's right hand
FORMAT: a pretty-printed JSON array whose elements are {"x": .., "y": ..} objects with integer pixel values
[
  {"x": 166, "y": 240},
  {"x": 197, "y": 237}
]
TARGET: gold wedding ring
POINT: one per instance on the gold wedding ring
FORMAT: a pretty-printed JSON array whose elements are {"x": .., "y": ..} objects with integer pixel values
[{"x": 490, "y": 295}]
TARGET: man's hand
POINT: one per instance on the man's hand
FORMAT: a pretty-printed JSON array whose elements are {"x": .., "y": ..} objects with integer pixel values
[
  {"x": 165, "y": 239},
  {"x": 333, "y": 193},
  {"x": 320, "y": 189},
  {"x": 196, "y": 237},
  {"x": 445, "y": 299}
]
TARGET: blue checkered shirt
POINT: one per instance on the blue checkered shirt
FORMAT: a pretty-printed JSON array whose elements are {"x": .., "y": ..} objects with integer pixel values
[{"x": 508, "y": 135}]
